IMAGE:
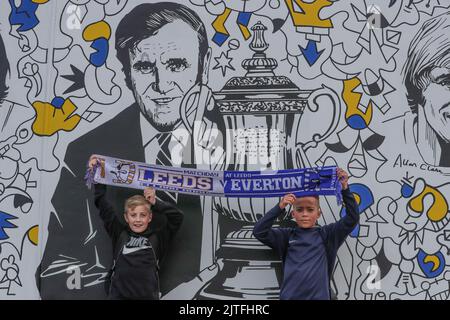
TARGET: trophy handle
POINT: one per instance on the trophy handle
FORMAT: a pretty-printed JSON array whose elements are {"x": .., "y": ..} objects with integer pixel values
[
  {"x": 196, "y": 100},
  {"x": 334, "y": 106},
  {"x": 314, "y": 106},
  {"x": 202, "y": 92}
]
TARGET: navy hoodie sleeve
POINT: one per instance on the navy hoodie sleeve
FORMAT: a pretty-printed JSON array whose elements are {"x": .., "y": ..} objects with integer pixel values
[
  {"x": 276, "y": 238},
  {"x": 112, "y": 224},
  {"x": 338, "y": 231}
]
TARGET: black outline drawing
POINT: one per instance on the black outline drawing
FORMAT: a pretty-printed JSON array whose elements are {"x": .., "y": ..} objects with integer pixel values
[
  {"x": 4, "y": 70},
  {"x": 429, "y": 52}
]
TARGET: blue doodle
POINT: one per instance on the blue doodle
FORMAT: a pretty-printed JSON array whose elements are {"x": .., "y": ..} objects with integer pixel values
[
  {"x": 57, "y": 102},
  {"x": 220, "y": 38},
  {"x": 244, "y": 18},
  {"x": 434, "y": 266},
  {"x": 365, "y": 201},
  {"x": 101, "y": 46},
  {"x": 24, "y": 15},
  {"x": 310, "y": 52},
  {"x": 406, "y": 189},
  {"x": 4, "y": 223},
  {"x": 356, "y": 122}
]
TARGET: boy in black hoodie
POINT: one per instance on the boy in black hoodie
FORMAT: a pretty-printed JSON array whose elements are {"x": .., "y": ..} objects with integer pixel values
[{"x": 137, "y": 246}]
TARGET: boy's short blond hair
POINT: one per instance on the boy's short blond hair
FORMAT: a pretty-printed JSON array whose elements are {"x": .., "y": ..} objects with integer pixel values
[{"x": 137, "y": 200}]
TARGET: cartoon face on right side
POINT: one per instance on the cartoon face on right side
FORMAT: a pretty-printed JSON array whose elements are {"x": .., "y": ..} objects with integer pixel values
[{"x": 437, "y": 102}]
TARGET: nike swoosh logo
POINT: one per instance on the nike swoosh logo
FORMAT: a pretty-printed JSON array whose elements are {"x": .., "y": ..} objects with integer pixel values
[
  {"x": 292, "y": 241},
  {"x": 127, "y": 250}
]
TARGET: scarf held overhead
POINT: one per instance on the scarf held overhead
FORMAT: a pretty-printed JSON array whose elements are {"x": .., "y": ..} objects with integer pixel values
[{"x": 246, "y": 184}]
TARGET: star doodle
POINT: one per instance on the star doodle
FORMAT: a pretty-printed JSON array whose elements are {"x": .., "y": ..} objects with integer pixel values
[{"x": 223, "y": 62}]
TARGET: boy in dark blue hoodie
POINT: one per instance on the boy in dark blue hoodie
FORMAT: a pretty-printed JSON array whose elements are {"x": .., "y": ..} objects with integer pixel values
[{"x": 308, "y": 251}]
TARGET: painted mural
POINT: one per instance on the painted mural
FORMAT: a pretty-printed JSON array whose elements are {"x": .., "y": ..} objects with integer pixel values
[{"x": 224, "y": 84}]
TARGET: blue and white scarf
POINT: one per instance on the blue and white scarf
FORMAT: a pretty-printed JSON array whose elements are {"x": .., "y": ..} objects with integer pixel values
[{"x": 247, "y": 184}]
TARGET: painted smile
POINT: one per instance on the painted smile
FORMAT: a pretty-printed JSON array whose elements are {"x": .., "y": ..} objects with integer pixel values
[{"x": 164, "y": 100}]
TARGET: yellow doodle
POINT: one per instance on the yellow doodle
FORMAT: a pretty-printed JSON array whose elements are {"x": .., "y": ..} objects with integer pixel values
[
  {"x": 50, "y": 119},
  {"x": 310, "y": 15},
  {"x": 97, "y": 30},
  {"x": 433, "y": 259},
  {"x": 219, "y": 22},
  {"x": 33, "y": 235},
  {"x": 40, "y": 1},
  {"x": 352, "y": 100},
  {"x": 245, "y": 32},
  {"x": 357, "y": 198},
  {"x": 438, "y": 209}
]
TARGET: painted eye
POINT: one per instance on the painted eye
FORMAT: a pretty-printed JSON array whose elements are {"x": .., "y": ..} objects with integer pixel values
[
  {"x": 144, "y": 67},
  {"x": 178, "y": 65},
  {"x": 445, "y": 82}
]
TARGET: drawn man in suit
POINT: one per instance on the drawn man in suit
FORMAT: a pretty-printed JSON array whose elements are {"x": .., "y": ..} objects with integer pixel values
[{"x": 163, "y": 49}]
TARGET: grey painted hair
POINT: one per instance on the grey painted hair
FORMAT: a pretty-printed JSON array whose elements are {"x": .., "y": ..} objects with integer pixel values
[
  {"x": 4, "y": 69},
  {"x": 429, "y": 49}
]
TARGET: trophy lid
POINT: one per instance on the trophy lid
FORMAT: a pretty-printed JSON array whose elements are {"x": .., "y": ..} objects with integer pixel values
[{"x": 260, "y": 90}]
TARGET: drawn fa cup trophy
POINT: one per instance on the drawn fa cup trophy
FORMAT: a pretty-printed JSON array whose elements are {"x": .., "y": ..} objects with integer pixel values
[{"x": 262, "y": 113}]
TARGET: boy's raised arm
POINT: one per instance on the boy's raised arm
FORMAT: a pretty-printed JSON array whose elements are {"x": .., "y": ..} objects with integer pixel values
[
  {"x": 107, "y": 214},
  {"x": 346, "y": 224},
  {"x": 276, "y": 238},
  {"x": 173, "y": 214}
]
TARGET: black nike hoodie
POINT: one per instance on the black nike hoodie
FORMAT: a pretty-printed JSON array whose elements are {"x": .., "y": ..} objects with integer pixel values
[{"x": 137, "y": 255}]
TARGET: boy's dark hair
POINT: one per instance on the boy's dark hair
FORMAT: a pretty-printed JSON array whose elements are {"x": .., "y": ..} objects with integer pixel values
[
  {"x": 315, "y": 196},
  {"x": 4, "y": 69},
  {"x": 145, "y": 20}
]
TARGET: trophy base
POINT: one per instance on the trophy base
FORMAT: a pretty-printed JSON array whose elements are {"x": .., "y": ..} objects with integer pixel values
[{"x": 250, "y": 270}]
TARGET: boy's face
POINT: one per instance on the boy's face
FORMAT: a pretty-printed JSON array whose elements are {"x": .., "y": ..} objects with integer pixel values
[
  {"x": 138, "y": 218},
  {"x": 306, "y": 212}
]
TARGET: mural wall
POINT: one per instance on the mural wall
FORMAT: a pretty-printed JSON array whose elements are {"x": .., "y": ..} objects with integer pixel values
[{"x": 223, "y": 84}]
